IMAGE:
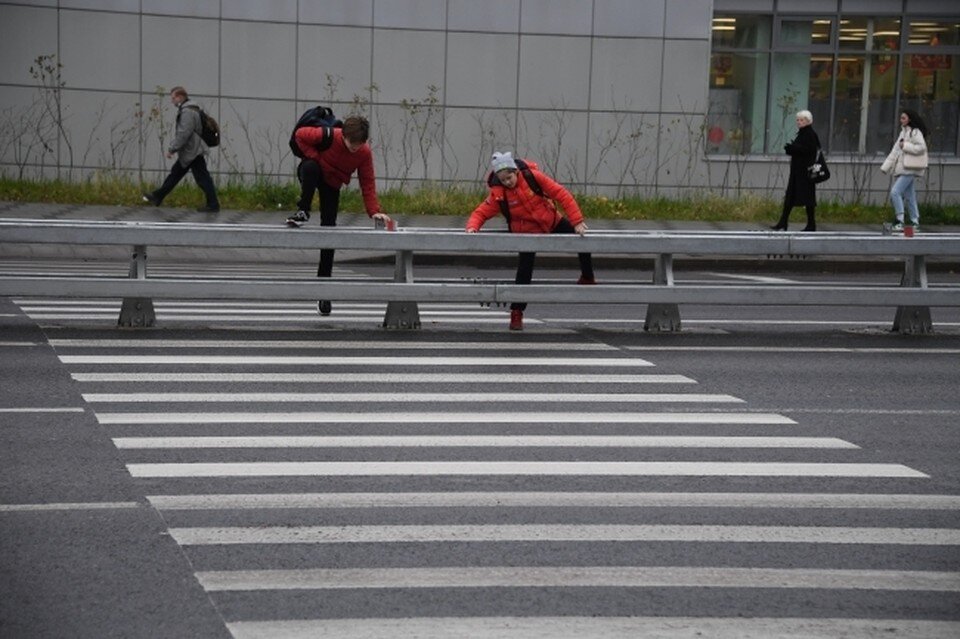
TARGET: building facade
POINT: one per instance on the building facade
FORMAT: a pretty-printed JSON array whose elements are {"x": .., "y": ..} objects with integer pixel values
[{"x": 664, "y": 98}]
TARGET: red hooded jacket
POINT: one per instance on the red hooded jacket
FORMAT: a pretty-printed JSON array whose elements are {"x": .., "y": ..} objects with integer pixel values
[
  {"x": 337, "y": 163},
  {"x": 529, "y": 213}
]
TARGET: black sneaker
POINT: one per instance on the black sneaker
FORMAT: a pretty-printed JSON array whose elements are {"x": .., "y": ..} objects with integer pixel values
[
  {"x": 324, "y": 307},
  {"x": 149, "y": 198},
  {"x": 298, "y": 219},
  {"x": 208, "y": 209}
]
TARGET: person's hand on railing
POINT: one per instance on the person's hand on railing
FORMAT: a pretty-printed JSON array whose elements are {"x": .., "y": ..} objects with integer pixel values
[
  {"x": 471, "y": 230},
  {"x": 581, "y": 228},
  {"x": 383, "y": 217}
]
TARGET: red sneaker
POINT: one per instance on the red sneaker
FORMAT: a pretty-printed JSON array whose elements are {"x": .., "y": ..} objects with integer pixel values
[
  {"x": 586, "y": 280},
  {"x": 516, "y": 320}
]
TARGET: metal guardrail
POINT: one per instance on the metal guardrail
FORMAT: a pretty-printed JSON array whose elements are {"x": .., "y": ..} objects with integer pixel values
[{"x": 913, "y": 297}]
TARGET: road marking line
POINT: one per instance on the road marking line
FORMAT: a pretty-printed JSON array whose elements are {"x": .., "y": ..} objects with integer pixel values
[
  {"x": 384, "y": 377},
  {"x": 559, "y": 532},
  {"x": 106, "y": 505},
  {"x": 68, "y": 409},
  {"x": 320, "y": 344},
  {"x": 431, "y": 441},
  {"x": 580, "y": 627},
  {"x": 336, "y": 360},
  {"x": 320, "y": 417},
  {"x": 18, "y": 343},
  {"x": 578, "y": 577},
  {"x": 798, "y": 349},
  {"x": 400, "y": 398},
  {"x": 520, "y": 468},
  {"x": 555, "y": 500}
]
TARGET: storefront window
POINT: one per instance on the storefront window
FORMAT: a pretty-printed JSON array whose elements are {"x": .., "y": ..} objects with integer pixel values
[
  {"x": 934, "y": 33},
  {"x": 854, "y": 73},
  {"x": 741, "y": 32},
  {"x": 801, "y": 81},
  {"x": 737, "y": 117},
  {"x": 930, "y": 87},
  {"x": 806, "y": 32}
]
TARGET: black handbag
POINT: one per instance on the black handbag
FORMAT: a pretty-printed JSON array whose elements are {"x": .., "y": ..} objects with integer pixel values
[{"x": 819, "y": 171}]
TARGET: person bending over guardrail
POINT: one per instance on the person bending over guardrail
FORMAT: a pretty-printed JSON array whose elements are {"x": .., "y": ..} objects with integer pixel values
[
  {"x": 527, "y": 199},
  {"x": 330, "y": 157}
]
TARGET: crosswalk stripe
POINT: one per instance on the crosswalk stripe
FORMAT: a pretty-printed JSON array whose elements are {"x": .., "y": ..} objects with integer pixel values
[
  {"x": 385, "y": 377},
  {"x": 338, "y": 360},
  {"x": 313, "y": 344},
  {"x": 402, "y": 398},
  {"x": 555, "y": 499},
  {"x": 443, "y": 418},
  {"x": 580, "y": 627},
  {"x": 413, "y": 441},
  {"x": 42, "y": 409},
  {"x": 539, "y": 468},
  {"x": 579, "y": 577},
  {"x": 217, "y": 536}
]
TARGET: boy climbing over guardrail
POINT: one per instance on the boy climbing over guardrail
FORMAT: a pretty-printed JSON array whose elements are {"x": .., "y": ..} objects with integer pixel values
[{"x": 528, "y": 199}]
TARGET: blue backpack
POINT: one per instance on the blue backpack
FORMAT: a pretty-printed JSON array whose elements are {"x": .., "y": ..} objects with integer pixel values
[{"x": 318, "y": 116}]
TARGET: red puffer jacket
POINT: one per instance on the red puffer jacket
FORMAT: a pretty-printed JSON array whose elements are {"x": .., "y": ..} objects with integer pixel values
[
  {"x": 529, "y": 213},
  {"x": 337, "y": 163}
]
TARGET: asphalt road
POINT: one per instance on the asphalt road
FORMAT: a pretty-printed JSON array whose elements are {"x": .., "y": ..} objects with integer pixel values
[{"x": 259, "y": 471}]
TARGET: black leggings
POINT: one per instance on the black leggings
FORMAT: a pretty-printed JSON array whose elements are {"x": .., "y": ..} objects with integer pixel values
[
  {"x": 311, "y": 181},
  {"x": 525, "y": 262}
]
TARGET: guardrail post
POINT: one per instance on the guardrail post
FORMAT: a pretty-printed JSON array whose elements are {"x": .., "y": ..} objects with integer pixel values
[
  {"x": 402, "y": 314},
  {"x": 913, "y": 319},
  {"x": 663, "y": 317},
  {"x": 137, "y": 311}
]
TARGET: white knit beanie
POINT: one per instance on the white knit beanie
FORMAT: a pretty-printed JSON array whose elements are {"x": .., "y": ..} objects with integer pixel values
[{"x": 502, "y": 161}]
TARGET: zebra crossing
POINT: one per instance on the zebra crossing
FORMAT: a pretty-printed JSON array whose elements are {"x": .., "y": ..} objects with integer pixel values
[
  {"x": 466, "y": 487},
  {"x": 226, "y": 313}
]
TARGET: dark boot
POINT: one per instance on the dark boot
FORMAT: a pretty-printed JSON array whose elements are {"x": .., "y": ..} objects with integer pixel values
[
  {"x": 781, "y": 224},
  {"x": 811, "y": 220}
]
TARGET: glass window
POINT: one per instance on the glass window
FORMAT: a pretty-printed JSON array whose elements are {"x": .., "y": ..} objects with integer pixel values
[
  {"x": 853, "y": 34},
  {"x": 802, "y": 81},
  {"x": 741, "y": 32},
  {"x": 865, "y": 104},
  {"x": 796, "y": 32},
  {"x": 934, "y": 33},
  {"x": 930, "y": 87},
  {"x": 882, "y": 34},
  {"x": 886, "y": 34},
  {"x": 737, "y": 114},
  {"x": 855, "y": 73}
]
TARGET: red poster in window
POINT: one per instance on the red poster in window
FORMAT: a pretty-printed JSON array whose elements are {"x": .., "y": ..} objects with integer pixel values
[{"x": 931, "y": 62}]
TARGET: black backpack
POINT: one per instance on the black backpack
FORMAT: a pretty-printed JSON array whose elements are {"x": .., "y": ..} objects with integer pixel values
[
  {"x": 527, "y": 173},
  {"x": 209, "y": 129},
  {"x": 318, "y": 116}
]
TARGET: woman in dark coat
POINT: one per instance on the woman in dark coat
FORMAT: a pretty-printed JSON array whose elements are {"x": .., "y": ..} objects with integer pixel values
[{"x": 800, "y": 190}]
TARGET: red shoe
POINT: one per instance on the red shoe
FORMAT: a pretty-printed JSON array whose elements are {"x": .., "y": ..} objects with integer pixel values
[
  {"x": 516, "y": 320},
  {"x": 586, "y": 280}
]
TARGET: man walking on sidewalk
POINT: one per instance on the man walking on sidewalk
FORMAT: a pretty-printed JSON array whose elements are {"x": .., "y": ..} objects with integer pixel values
[{"x": 190, "y": 150}]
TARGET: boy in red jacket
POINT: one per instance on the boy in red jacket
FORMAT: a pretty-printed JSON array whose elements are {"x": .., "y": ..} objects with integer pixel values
[
  {"x": 327, "y": 167},
  {"x": 512, "y": 194}
]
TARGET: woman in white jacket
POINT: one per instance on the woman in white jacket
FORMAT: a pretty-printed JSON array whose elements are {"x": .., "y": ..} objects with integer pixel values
[{"x": 907, "y": 161}]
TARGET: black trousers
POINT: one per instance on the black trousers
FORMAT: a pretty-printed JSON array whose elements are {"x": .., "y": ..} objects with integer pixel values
[
  {"x": 200, "y": 173},
  {"x": 525, "y": 262},
  {"x": 311, "y": 181}
]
